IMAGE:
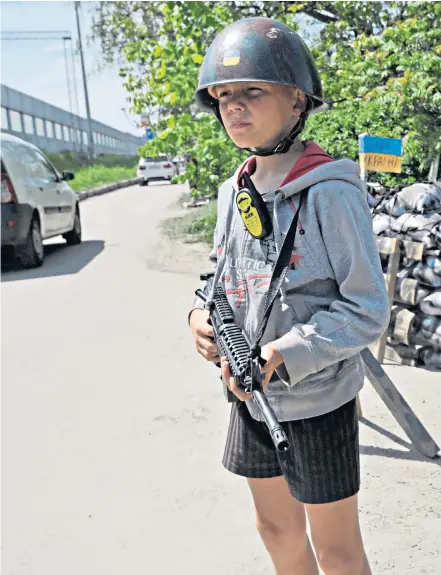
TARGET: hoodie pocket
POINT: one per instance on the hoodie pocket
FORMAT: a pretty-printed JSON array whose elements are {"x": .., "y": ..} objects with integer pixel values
[
  {"x": 324, "y": 377},
  {"x": 300, "y": 307}
]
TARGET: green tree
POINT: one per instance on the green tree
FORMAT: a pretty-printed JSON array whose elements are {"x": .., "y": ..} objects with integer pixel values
[
  {"x": 388, "y": 80},
  {"x": 380, "y": 64}
]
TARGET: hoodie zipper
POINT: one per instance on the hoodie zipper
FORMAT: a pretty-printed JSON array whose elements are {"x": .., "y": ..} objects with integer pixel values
[{"x": 246, "y": 299}]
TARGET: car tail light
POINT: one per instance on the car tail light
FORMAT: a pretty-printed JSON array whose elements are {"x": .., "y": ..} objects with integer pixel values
[
  {"x": 167, "y": 165},
  {"x": 141, "y": 167},
  {"x": 8, "y": 193}
]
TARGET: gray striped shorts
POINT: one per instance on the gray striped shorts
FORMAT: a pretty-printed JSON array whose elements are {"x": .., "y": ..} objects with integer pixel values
[{"x": 322, "y": 464}]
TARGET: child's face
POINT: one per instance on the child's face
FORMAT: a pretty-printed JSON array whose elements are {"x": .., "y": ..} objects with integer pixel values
[{"x": 256, "y": 114}]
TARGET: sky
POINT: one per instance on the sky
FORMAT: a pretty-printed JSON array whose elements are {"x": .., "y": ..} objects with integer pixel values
[{"x": 37, "y": 68}]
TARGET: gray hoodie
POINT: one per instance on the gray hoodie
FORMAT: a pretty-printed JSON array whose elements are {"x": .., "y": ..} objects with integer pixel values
[{"x": 333, "y": 302}]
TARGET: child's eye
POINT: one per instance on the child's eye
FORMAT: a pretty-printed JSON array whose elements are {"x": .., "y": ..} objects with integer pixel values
[
  {"x": 253, "y": 91},
  {"x": 223, "y": 94}
]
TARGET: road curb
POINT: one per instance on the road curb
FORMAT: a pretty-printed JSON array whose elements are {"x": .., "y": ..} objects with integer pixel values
[{"x": 84, "y": 194}]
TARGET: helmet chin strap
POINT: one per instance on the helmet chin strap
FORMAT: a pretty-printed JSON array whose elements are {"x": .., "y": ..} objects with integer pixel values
[{"x": 285, "y": 143}]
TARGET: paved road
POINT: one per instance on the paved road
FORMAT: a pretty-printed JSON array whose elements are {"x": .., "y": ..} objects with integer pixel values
[{"x": 113, "y": 428}]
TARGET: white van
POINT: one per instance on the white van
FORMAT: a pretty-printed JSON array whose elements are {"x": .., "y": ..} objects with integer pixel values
[{"x": 37, "y": 203}]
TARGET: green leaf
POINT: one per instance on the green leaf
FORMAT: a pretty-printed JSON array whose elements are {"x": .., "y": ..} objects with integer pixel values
[
  {"x": 162, "y": 71},
  {"x": 197, "y": 58}
]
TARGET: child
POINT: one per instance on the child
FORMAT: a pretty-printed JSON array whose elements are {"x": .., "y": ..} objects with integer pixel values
[{"x": 260, "y": 80}]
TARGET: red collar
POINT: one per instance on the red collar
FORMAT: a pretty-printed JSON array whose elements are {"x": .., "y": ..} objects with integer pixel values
[{"x": 313, "y": 156}]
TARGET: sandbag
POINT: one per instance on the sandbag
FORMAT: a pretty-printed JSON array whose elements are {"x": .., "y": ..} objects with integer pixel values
[
  {"x": 430, "y": 357},
  {"x": 426, "y": 275},
  {"x": 410, "y": 291},
  {"x": 381, "y": 222},
  {"x": 415, "y": 222},
  {"x": 417, "y": 198},
  {"x": 431, "y": 304}
]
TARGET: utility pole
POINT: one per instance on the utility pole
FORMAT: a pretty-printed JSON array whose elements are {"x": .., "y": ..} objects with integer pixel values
[{"x": 86, "y": 95}]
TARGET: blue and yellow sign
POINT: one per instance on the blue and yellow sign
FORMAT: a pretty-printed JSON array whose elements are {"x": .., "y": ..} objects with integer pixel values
[{"x": 380, "y": 154}]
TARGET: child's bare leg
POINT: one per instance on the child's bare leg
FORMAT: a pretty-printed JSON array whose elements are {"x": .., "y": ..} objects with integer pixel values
[
  {"x": 281, "y": 522},
  {"x": 336, "y": 537}
]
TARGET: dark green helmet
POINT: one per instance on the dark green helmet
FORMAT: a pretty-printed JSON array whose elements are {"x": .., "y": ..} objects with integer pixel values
[{"x": 259, "y": 49}]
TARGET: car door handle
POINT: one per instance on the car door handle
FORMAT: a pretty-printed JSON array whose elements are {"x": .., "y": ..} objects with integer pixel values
[
  {"x": 58, "y": 192},
  {"x": 41, "y": 189}
]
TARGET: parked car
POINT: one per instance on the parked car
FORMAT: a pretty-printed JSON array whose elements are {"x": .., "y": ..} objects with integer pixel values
[
  {"x": 161, "y": 168},
  {"x": 36, "y": 202}
]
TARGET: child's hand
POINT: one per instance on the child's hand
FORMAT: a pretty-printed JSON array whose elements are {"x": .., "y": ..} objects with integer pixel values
[
  {"x": 203, "y": 334},
  {"x": 230, "y": 381},
  {"x": 273, "y": 360}
]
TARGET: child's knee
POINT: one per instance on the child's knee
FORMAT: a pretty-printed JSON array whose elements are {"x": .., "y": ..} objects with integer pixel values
[
  {"x": 280, "y": 532},
  {"x": 341, "y": 559}
]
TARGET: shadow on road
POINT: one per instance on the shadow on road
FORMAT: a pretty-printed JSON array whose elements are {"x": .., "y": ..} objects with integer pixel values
[
  {"x": 412, "y": 454},
  {"x": 60, "y": 260}
]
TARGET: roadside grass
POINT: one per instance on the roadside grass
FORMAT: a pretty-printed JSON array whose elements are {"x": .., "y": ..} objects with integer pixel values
[
  {"x": 196, "y": 226},
  {"x": 96, "y": 176}
]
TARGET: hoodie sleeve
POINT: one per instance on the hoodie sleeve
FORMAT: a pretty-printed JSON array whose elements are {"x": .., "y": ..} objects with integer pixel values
[{"x": 362, "y": 315}]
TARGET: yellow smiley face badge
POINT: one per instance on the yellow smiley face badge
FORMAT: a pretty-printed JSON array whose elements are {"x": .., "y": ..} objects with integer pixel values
[{"x": 249, "y": 214}]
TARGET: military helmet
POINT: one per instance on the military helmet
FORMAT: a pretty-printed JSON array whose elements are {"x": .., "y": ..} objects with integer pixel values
[{"x": 263, "y": 50}]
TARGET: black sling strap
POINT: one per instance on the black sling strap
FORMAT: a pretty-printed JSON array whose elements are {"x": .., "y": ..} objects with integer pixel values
[{"x": 278, "y": 276}]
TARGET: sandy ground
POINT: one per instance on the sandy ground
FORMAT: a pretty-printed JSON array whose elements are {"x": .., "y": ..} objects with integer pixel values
[{"x": 113, "y": 428}]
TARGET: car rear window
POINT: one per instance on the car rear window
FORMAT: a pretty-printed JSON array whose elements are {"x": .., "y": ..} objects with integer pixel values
[{"x": 153, "y": 160}]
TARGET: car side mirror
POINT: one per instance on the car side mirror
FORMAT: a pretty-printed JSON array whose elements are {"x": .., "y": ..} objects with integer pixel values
[{"x": 67, "y": 176}]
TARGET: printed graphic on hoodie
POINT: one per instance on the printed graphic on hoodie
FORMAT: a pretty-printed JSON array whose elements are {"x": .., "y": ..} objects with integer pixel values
[{"x": 250, "y": 276}]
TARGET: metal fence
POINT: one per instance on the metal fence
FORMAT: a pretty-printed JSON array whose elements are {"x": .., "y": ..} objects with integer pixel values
[{"x": 55, "y": 130}]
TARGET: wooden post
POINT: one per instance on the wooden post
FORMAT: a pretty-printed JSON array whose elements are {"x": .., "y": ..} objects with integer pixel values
[
  {"x": 398, "y": 406},
  {"x": 391, "y": 247}
]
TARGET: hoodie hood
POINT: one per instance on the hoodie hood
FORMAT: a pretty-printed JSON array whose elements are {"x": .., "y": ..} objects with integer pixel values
[
  {"x": 345, "y": 170},
  {"x": 313, "y": 156}
]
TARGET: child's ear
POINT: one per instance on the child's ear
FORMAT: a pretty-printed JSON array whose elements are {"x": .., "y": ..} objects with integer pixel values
[
  {"x": 300, "y": 101},
  {"x": 295, "y": 93}
]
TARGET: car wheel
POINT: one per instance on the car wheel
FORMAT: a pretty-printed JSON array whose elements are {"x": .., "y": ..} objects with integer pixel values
[
  {"x": 31, "y": 255},
  {"x": 74, "y": 236}
]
